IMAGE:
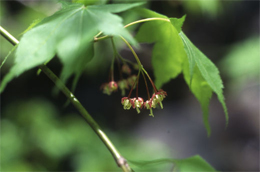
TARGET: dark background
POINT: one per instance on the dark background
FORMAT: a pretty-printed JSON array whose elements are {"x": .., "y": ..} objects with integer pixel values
[{"x": 39, "y": 134}]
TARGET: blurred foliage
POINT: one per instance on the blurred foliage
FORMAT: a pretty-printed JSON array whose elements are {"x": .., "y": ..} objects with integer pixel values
[
  {"x": 35, "y": 137},
  {"x": 90, "y": 2},
  {"x": 241, "y": 64},
  {"x": 208, "y": 8}
]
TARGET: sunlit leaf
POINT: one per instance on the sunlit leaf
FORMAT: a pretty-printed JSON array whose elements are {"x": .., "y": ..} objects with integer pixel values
[
  {"x": 34, "y": 23},
  {"x": 64, "y": 3},
  {"x": 168, "y": 51},
  {"x": 178, "y": 22},
  {"x": 69, "y": 33}
]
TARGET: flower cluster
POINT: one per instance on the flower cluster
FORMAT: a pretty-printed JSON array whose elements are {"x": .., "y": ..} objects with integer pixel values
[
  {"x": 131, "y": 82},
  {"x": 123, "y": 85},
  {"x": 138, "y": 103}
]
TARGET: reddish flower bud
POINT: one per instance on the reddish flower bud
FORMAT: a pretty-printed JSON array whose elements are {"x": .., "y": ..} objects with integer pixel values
[
  {"x": 113, "y": 86},
  {"x": 110, "y": 87}
]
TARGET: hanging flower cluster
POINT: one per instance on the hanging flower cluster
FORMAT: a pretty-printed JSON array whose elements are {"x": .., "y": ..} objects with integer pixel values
[
  {"x": 131, "y": 82},
  {"x": 138, "y": 103},
  {"x": 123, "y": 84}
]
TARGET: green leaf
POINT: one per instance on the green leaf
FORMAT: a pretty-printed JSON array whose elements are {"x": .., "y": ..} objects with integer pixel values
[
  {"x": 85, "y": 2},
  {"x": 168, "y": 51},
  {"x": 194, "y": 163},
  {"x": 190, "y": 54},
  {"x": 210, "y": 74},
  {"x": 69, "y": 33},
  {"x": 177, "y": 23},
  {"x": 90, "y": 2},
  {"x": 146, "y": 13},
  {"x": 64, "y": 3},
  {"x": 6, "y": 57},
  {"x": 34, "y": 23},
  {"x": 201, "y": 90}
]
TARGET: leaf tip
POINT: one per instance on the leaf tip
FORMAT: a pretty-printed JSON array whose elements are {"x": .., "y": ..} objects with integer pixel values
[{"x": 227, "y": 118}]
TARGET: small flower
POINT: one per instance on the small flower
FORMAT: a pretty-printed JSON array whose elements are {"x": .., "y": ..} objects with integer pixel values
[
  {"x": 131, "y": 80},
  {"x": 157, "y": 98},
  {"x": 122, "y": 86},
  {"x": 126, "y": 69},
  {"x": 105, "y": 88},
  {"x": 161, "y": 92},
  {"x": 132, "y": 101},
  {"x": 113, "y": 86},
  {"x": 126, "y": 103},
  {"x": 148, "y": 105},
  {"x": 110, "y": 87},
  {"x": 138, "y": 104}
]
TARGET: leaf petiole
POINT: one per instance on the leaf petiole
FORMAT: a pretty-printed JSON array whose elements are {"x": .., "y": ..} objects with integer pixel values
[{"x": 130, "y": 24}]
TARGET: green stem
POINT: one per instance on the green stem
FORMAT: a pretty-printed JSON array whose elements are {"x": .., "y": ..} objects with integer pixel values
[
  {"x": 139, "y": 63},
  {"x": 121, "y": 162},
  {"x": 145, "y": 20},
  {"x": 146, "y": 85},
  {"x": 8, "y": 36},
  {"x": 117, "y": 53},
  {"x": 135, "y": 83},
  {"x": 154, "y": 87},
  {"x": 130, "y": 24},
  {"x": 125, "y": 60},
  {"x": 133, "y": 51}
]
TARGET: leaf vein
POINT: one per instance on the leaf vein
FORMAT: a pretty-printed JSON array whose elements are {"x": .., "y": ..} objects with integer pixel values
[{"x": 45, "y": 41}]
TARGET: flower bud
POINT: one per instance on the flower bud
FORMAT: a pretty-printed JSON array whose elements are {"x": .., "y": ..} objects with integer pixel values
[
  {"x": 131, "y": 80},
  {"x": 122, "y": 86},
  {"x": 113, "y": 86},
  {"x": 126, "y": 69}
]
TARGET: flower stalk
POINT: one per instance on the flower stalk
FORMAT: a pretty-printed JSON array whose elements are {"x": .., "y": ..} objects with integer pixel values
[{"x": 136, "y": 102}]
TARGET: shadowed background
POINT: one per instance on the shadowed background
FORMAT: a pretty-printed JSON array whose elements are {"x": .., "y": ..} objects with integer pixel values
[{"x": 39, "y": 134}]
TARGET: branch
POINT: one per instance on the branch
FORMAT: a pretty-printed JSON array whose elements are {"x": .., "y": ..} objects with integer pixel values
[{"x": 121, "y": 161}]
